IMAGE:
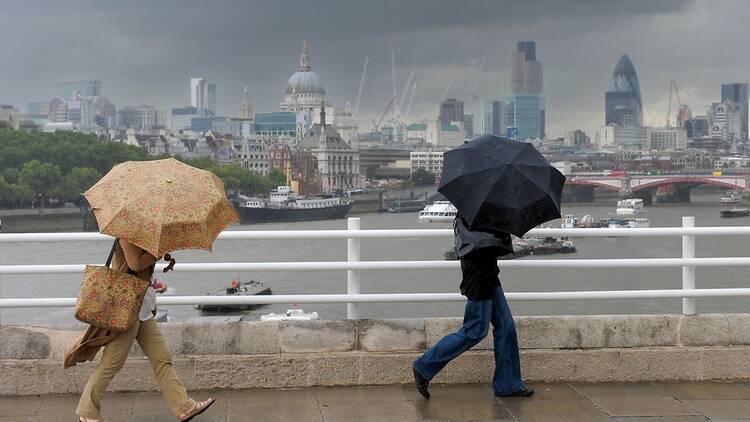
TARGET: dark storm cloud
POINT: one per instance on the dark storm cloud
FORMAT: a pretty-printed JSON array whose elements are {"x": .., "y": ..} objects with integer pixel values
[{"x": 145, "y": 51}]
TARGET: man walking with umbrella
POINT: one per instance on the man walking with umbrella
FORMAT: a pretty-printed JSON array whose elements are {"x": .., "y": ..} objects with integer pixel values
[{"x": 500, "y": 187}]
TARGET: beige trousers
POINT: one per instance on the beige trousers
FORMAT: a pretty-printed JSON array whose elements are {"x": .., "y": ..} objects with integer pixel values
[{"x": 152, "y": 342}]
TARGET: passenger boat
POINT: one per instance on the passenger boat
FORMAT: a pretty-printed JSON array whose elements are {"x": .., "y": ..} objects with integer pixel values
[
  {"x": 438, "y": 212},
  {"x": 586, "y": 222},
  {"x": 236, "y": 288},
  {"x": 629, "y": 223},
  {"x": 630, "y": 206},
  {"x": 283, "y": 204},
  {"x": 735, "y": 212},
  {"x": 731, "y": 197}
]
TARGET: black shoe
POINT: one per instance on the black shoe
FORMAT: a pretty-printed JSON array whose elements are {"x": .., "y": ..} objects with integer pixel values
[
  {"x": 524, "y": 392},
  {"x": 421, "y": 383}
]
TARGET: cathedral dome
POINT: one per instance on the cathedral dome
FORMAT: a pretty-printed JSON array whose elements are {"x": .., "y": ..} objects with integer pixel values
[{"x": 305, "y": 81}]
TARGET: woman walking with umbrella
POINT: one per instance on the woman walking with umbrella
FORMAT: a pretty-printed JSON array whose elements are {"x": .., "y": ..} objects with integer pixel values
[
  {"x": 152, "y": 208},
  {"x": 500, "y": 187}
]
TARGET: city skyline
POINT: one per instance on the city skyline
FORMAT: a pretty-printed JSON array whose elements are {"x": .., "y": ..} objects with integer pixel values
[{"x": 442, "y": 48}]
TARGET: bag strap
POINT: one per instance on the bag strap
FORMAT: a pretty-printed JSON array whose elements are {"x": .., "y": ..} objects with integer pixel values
[{"x": 112, "y": 252}]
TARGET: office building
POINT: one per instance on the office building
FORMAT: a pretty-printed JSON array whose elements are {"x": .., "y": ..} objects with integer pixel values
[
  {"x": 9, "y": 115},
  {"x": 526, "y": 71},
  {"x": 576, "y": 139},
  {"x": 738, "y": 94},
  {"x": 629, "y": 137},
  {"x": 37, "y": 107},
  {"x": 666, "y": 139},
  {"x": 525, "y": 116},
  {"x": 525, "y": 109},
  {"x": 451, "y": 110},
  {"x": 182, "y": 116},
  {"x": 141, "y": 117},
  {"x": 203, "y": 96},
  {"x": 430, "y": 160},
  {"x": 469, "y": 126},
  {"x": 726, "y": 121},
  {"x": 622, "y": 102},
  {"x": 97, "y": 112},
  {"x": 58, "y": 110},
  {"x": 491, "y": 118},
  {"x": 70, "y": 88},
  {"x": 698, "y": 127}
]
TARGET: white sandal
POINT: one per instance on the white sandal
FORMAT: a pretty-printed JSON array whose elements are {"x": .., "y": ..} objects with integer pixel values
[{"x": 197, "y": 409}]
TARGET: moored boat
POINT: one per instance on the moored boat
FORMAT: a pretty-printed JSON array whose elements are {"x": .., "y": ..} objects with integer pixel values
[
  {"x": 735, "y": 212},
  {"x": 731, "y": 197},
  {"x": 237, "y": 288},
  {"x": 630, "y": 206},
  {"x": 285, "y": 205}
]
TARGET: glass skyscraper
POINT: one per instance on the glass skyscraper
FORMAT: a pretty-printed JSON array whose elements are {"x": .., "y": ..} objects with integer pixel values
[
  {"x": 623, "y": 104},
  {"x": 68, "y": 89},
  {"x": 524, "y": 113},
  {"x": 491, "y": 118},
  {"x": 738, "y": 94}
]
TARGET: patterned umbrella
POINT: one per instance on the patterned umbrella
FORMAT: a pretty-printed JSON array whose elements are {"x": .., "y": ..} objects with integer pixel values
[{"x": 161, "y": 205}]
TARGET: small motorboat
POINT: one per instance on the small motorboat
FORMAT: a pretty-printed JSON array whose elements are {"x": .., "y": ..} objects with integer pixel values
[
  {"x": 291, "y": 315},
  {"x": 237, "y": 288}
]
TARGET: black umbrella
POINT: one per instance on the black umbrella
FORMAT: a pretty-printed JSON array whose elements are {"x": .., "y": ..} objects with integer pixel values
[{"x": 501, "y": 185}]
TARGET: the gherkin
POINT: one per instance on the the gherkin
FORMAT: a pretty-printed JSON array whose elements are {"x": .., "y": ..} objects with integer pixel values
[{"x": 623, "y": 105}]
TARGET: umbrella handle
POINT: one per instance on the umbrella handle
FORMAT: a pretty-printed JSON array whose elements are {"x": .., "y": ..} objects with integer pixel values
[{"x": 170, "y": 267}]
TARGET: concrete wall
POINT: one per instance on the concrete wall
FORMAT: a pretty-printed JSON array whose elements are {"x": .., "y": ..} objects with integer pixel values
[{"x": 367, "y": 352}]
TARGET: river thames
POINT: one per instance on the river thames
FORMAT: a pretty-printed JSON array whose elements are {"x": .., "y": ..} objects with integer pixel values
[{"x": 704, "y": 207}]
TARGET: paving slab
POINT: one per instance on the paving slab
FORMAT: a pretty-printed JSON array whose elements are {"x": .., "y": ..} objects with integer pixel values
[
  {"x": 706, "y": 391},
  {"x": 554, "y": 402},
  {"x": 720, "y": 410},
  {"x": 644, "y": 402}
]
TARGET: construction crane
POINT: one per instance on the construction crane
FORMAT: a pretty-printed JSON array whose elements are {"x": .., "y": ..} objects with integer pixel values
[
  {"x": 672, "y": 88},
  {"x": 475, "y": 89},
  {"x": 376, "y": 125},
  {"x": 361, "y": 85},
  {"x": 411, "y": 98}
]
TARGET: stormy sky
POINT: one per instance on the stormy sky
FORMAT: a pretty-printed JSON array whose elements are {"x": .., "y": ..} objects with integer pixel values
[{"x": 145, "y": 51}]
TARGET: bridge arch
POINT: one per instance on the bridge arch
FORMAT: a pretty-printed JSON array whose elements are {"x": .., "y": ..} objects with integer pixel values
[
  {"x": 685, "y": 180},
  {"x": 593, "y": 183}
]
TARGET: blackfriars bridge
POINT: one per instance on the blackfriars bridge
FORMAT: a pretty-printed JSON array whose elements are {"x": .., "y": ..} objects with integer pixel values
[{"x": 667, "y": 188}]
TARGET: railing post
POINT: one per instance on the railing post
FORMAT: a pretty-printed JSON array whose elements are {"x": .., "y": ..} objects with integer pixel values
[
  {"x": 352, "y": 276},
  {"x": 688, "y": 271}
]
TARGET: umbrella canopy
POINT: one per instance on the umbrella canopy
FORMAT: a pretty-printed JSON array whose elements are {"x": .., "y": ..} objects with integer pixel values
[
  {"x": 161, "y": 205},
  {"x": 501, "y": 185}
]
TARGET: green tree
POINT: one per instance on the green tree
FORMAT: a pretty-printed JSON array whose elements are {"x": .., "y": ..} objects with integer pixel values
[
  {"x": 41, "y": 179},
  {"x": 78, "y": 181},
  {"x": 6, "y": 191},
  {"x": 422, "y": 177},
  {"x": 276, "y": 177}
]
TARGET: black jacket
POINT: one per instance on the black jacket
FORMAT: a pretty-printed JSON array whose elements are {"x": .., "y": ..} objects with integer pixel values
[{"x": 480, "y": 276}]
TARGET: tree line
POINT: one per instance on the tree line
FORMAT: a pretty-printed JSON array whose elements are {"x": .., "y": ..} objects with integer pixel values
[{"x": 42, "y": 169}]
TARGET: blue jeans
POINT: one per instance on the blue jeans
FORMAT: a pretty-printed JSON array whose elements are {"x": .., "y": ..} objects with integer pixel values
[{"x": 477, "y": 317}]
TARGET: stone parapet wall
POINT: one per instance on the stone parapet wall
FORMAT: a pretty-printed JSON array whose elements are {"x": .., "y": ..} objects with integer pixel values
[{"x": 376, "y": 352}]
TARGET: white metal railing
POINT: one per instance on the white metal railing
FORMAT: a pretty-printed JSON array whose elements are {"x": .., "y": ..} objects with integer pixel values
[{"x": 353, "y": 266}]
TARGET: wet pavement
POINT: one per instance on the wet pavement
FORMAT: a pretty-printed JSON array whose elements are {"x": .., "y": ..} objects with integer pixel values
[{"x": 663, "y": 402}]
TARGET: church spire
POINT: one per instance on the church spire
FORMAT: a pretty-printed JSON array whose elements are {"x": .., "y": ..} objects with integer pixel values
[{"x": 304, "y": 58}]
